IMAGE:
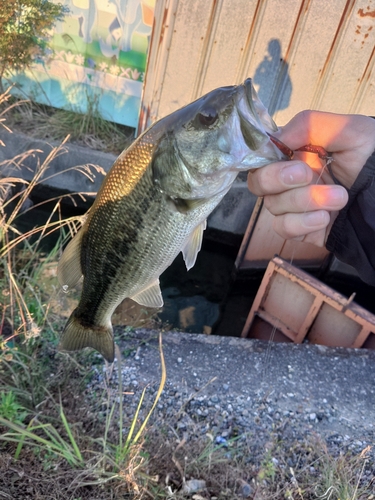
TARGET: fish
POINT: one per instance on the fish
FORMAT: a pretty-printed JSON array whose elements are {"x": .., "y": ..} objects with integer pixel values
[{"x": 154, "y": 203}]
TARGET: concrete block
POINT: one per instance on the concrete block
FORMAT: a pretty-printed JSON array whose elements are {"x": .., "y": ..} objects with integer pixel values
[{"x": 60, "y": 174}]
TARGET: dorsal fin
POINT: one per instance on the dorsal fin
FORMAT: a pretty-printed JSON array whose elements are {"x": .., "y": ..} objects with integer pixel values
[
  {"x": 193, "y": 245},
  {"x": 150, "y": 297},
  {"x": 69, "y": 270}
]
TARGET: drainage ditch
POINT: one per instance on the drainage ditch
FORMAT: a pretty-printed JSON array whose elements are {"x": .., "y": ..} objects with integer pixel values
[{"x": 211, "y": 297}]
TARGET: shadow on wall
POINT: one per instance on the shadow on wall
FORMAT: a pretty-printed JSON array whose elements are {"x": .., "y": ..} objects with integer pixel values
[{"x": 273, "y": 80}]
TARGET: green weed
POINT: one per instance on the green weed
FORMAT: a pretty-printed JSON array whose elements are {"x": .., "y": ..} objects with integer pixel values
[
  {"x": 44, "y": 437},
  {"x": 340, "y": 478},
  {"x": 10, "y": 410},
  {"x": 267, "y": 468},
  {"x": 119, "y": 459}
]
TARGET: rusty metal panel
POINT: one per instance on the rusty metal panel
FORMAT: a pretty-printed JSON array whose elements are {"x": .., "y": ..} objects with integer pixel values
[{"x": 300, "y": 53}]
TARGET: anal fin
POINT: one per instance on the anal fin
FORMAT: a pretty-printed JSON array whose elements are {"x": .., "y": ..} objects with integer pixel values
[{"x": 150, "y": 297}]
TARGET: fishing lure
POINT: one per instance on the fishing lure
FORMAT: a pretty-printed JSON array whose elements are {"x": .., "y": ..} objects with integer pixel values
[{"x": 309, "y": 148}]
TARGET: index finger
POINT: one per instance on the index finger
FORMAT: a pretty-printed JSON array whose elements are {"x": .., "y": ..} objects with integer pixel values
[
  {"x": 329, "y": 130},
  {"x": 335, "y": 132}
]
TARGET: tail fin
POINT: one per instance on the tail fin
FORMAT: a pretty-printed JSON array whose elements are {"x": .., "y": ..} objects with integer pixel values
[{"x": 77, "y": 336}]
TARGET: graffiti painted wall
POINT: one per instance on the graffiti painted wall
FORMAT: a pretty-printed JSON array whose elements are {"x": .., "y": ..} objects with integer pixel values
[{"x": 99, "y": 56}]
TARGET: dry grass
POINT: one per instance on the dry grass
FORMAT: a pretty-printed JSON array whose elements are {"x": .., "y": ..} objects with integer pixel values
[{"x": 52, "y": 124}]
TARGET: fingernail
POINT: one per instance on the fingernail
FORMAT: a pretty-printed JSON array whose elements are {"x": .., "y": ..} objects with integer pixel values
[
  {"x": 337, "y": 195},
  {"x": 319, "y": 218},
  {"x": 293, "y": 175},
  {"x": 329, "y": 197}
]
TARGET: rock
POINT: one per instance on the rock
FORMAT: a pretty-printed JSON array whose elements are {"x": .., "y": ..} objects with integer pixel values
[{"x": 193, "y": 485}]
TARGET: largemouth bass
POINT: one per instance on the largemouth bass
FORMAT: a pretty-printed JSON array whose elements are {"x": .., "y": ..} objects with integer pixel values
[{"x": 154, "y": 203}]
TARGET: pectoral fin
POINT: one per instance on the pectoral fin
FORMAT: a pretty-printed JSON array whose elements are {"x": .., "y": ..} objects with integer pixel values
[
  {"x": 193, "y": 245},
  {"x": 184, "y": 206},
  {"x": 150, "y": 297},
  {"x": 69, "y": 270}
]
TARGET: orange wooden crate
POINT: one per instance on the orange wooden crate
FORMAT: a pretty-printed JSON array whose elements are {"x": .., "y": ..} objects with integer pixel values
[{"x": 292, "y": 305}]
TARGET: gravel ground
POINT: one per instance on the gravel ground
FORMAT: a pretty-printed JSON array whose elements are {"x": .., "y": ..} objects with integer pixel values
[{"x": 264, "y": 393}]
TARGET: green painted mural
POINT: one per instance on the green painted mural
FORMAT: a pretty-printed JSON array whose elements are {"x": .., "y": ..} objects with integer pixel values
[{"x": 99, "y": 54}]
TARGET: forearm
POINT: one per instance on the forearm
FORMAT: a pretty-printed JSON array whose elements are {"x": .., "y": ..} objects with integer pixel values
[{"x": 352, "y": 236}]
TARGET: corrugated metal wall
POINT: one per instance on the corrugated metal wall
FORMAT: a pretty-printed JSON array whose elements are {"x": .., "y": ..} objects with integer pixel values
[{"x": 301, "y": 54}]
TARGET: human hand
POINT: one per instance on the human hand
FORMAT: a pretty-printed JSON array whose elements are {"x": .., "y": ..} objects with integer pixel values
[{"x": 301, "y": 193}]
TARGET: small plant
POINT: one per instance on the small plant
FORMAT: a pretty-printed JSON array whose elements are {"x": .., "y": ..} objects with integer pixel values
[
  {"x": 122, "y": 456},
  {"x": 44, "y": 437},
  {"x": 10, "y": 409},
  {"x": 24, "y": 32},
  {"x": 267, "y": 469},
  {"x": 341, "y": 477}
]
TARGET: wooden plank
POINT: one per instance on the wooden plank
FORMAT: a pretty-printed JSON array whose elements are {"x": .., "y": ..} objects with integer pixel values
[
  {"x": 333, "y": 328},
  {"x": 259, "y": 298},
  {"x": 309, "y": 319},
  {"x": 362, "y": 337},
  {"x": 277, "y": 324},
  {"x": 287, "y": 300}
]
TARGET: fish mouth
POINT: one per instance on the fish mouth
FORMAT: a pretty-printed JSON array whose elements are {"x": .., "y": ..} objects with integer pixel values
[
  {"x": 251, "y": 127},
  {"x": 257, "y": 126},
  {"x": 258, "y": 109}
]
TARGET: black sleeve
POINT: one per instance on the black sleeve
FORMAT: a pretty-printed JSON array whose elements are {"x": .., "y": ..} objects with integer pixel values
[{"x": 352, "y": 237}]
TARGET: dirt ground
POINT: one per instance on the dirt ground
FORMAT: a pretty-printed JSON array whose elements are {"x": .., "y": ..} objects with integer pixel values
[{"x": 237, "y": 418}]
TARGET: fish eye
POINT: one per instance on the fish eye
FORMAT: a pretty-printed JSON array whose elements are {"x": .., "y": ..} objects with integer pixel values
[{"x": 207, "y": 117}]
